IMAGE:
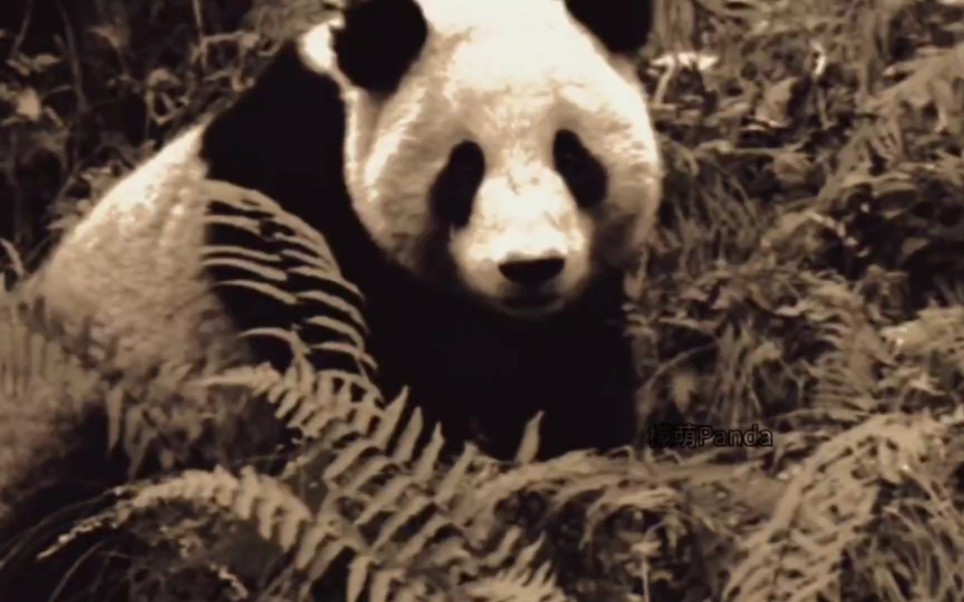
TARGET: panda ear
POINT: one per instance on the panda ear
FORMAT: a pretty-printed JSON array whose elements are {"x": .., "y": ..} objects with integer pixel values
[
  {"x": 378, "y": 41},
  {"x": 621, "y": 25}
]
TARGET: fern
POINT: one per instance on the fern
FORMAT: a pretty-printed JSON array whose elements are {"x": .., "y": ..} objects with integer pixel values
[
  {"x": 916, "y": 538},
  {"x": 301, "y": 274},
  {"x": 361, "y": 456},
  {"x": 797, "y": 555},
  {"x": 536, "y": 585}
]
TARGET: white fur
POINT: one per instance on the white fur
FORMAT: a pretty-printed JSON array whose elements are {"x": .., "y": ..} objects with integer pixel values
[
  {"x": 132, "y": 267},
  {"x": 506, "y": 74}
]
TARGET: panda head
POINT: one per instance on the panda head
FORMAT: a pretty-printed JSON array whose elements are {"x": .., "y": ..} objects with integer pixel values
[{"x": 500, "y": 148}]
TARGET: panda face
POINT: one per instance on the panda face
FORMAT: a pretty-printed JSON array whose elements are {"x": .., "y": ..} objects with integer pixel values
[{"x": 514, "y": 160}]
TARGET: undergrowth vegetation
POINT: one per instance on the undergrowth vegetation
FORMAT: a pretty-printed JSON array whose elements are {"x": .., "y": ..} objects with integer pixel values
[{"x": 806, "y": 280}]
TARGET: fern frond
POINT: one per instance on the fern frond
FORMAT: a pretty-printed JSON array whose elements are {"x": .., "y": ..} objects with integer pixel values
[
  {"x": 50, "y": 383},
  {"x": 305, "y": 399},
  {"x": 478, "y": 506},
  {"x": 535, "y": 585},
  {"x": 797, "y": 555},
  {"x": 278, "y": 515},
  {"x": 362, "y": 455},
  {"x": 384, "y": 567},
  {"x": 529, "y": 446},
  {"x": 300, "y": 273},
  {"x": 916, "y": 537}
]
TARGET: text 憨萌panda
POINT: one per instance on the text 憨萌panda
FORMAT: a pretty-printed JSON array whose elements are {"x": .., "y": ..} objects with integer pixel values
[{"x": 483, "y": 171}]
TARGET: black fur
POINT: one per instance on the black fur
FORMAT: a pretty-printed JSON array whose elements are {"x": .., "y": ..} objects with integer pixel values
[
  {"x": 621, "y": 25},
  {"x": 378, "y": 42},
  {"x": 283, "y": 138},
  {"x": 457, "y": 184},
  {"x": 482, "y": 374},
  {"x": 585, "y": 177}
]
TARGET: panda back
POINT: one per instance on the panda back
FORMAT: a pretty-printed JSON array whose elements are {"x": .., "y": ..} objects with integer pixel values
[{"x": 133, "y": 267}]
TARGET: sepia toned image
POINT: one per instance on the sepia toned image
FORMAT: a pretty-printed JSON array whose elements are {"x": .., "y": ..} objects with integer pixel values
[{"x": 482, "y": 300}]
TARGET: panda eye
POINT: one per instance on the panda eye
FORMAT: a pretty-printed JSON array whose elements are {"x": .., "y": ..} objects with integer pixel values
[
  {"x": 583, "y": 174},
  {"x": 455, "y": 188}
]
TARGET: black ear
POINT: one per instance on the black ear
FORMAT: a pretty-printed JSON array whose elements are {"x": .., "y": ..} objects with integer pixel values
[
  {"x": 621, "y": 25},
  {"x": 379, "y": 41}
]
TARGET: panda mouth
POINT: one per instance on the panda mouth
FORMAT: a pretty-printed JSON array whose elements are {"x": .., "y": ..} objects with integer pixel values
[{"x": 532, "y": 302}]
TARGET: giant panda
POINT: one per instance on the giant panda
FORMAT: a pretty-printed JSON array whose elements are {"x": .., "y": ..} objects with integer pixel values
[{"x": 484, "y": 172}]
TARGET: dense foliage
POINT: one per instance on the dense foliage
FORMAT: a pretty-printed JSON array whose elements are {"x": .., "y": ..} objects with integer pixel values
[{"x": 807, "y": 279}]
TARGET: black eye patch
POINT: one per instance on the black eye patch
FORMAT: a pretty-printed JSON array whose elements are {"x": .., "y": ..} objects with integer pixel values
[
  {"x": 454, "y": 189},
  {"x": 584, "y": 175}
]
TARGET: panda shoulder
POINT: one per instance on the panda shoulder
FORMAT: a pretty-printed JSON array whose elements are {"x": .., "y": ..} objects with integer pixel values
[
  {"x": 134, "y": 264},
  {"x": 135, "y": 258},
  {"x": 152, "y": 204}
]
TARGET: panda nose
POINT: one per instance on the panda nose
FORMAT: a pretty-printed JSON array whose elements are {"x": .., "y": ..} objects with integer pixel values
[{"x": 532, "y": 272}]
